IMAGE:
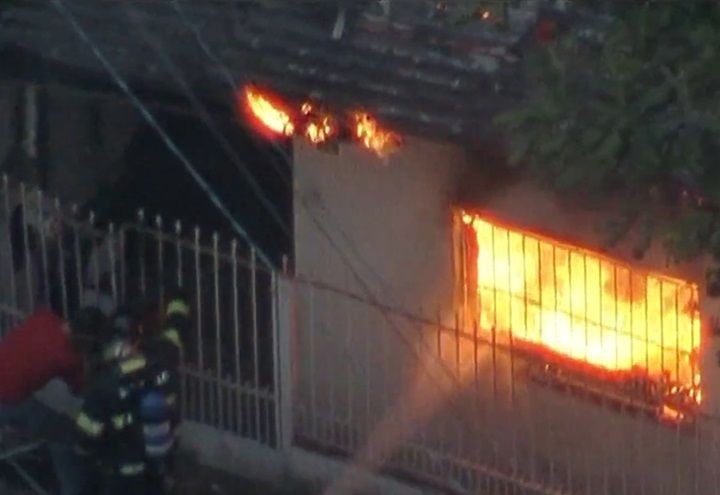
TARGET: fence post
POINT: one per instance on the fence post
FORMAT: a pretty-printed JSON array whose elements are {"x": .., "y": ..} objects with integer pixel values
[{"x": 284, "y": 301}]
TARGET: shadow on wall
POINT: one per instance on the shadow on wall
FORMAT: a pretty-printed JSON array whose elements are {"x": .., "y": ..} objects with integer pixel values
[{"x": 155, "y": 179}]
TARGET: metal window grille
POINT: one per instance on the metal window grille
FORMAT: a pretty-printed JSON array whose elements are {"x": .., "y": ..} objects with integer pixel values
[{"x": 583, "y": 311}]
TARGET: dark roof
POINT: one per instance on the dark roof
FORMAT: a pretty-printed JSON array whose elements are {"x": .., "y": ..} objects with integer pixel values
[{"x": 414, "y": 69}]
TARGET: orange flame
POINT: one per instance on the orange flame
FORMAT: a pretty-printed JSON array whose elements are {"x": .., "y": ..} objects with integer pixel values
[
  {"x": 319, "y": 128},
  {"x": 315, "y": 124},
  {"x": 584, "y": 306},
  {"x": 372, "y": 136},
  {"x": 319, "y": 132},
  {"x": 268, "y": 113}
]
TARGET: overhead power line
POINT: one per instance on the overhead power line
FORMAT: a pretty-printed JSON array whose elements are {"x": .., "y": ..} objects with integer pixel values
[{"x": 148, "y": 116}]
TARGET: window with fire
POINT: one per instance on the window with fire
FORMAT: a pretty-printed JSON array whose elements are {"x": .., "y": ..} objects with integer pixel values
[{"x": 581, "y": 319}]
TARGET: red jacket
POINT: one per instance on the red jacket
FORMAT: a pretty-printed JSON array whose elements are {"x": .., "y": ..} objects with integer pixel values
[{"x": 32, "y": 354}]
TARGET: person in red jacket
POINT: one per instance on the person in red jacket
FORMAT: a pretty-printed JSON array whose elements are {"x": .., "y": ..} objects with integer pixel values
[
  {"x": 38, "y": 350},
  {"x": 42, "y": 348}
]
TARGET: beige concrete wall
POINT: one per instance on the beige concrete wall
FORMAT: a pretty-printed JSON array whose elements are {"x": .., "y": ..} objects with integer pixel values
[
  {"x": 393, "y": 224},
  {"x": 390, "y": 219}
]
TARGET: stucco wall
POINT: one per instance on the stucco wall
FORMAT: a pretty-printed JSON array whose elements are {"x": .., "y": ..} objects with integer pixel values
[
  {"x": 393, "y": 224},
  {"x": 390, "y": 220}
]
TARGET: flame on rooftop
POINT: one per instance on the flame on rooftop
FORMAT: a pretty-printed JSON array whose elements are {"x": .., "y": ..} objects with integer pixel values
[{"x": 315, "y": 123}]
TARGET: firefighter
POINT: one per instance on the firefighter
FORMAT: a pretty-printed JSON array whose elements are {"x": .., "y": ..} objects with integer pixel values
[
  {"x": 109, "y": 434},
  {"x": 159, "y": 401}
]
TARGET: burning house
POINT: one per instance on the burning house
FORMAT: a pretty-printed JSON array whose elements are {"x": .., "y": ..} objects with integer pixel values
[{"x": 431, "y": 288}]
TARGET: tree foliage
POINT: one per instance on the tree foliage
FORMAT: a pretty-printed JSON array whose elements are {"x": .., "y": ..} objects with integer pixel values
[{"x": 630, "y": 108}]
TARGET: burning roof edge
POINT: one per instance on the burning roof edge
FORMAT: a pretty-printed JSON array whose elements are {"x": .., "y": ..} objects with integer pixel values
[{"x": 421, "y": 77}]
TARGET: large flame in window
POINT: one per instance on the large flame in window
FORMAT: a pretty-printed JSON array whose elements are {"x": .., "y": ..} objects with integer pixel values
[{"x": 571, "y": 302}]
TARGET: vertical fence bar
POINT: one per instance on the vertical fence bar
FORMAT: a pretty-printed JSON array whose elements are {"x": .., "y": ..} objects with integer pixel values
[
  {"x": 696, "y": 455},
  {"x": 111, "y": 256},
  {"x": 608, "y": 454},
  {"x": 42, "y": 231},
  {"x": 141, "y": 253},
  {"x": 459, "y": 381},
  {"x": 647, "y": 325},
  {"x": 198, "y": 308},
  {"x": 368, "y": 383},
  {"x": 11, "y": 250},
  {"x": 532, "y": 419},
  {"x": 61, "y": 257},
  {"x": 476, "y": 363},
  {"x": 78, "y": 256},
  {"x": 512, "y": 403},
  {"x": 183, "y": 363},
  {"x": 218, "y": 323},
  {"x": 694, "y": 299},
  {"x": 123, "y": 268},
  {"x": 236, "y": 335},
  {"x": 640, "y": 461},
  {"x": 678, "y": 457},
  {"x": 256, "y": 357},
  {"x": 662, "y": 337},
  {"x": 311, "y": 363},
  {"x": 441, "y": 423},
  {"x": 178, "y": 252},
  {"x": 277, "y": 385},
  {"x": 161, "y": 260},
  {"x": 511, "y": 333},
  {"x": 26, "y": 244},
  {"x": 457, "y": 346},
  {"x": 349, "y": 364},
  {"x": 494, "y": 276},
  {"x": 95, "y": 257},
  {"x": 494, "y": 362},
  {"x": 647, "y": 365},
  {"x": 330, "y": 429}
]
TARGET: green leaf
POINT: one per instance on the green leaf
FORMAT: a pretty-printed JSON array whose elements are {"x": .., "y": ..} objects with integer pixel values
[{"x": 631, "y": 114}]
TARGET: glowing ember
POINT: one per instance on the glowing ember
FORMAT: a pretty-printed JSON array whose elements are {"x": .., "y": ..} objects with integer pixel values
[
  {"x": 372, "y": 136},
  {"x": 586, "y": 307},
  {"x": 268, "y": 113}
]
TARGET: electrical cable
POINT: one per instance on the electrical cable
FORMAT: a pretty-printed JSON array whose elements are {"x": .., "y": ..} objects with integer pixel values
[
  {"x": 148, "y": 116},
  {"x": 207, "y": 120},
  {"x": 347, "y": 262}
]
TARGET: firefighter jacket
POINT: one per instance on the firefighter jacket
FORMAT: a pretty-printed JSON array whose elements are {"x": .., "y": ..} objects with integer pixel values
[
  {"x": 115, "y": 424},
  {"x": 159, "y": 401},
  {"x": 164, "y": 352},
  {"x": 109, "y": 432}
]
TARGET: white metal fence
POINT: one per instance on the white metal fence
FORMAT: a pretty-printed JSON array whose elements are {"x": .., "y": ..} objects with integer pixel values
[
  {"x": 292, "y": 363},
  {"x": 50, "y": 256},
  {"x": 470, "y": 412}
]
